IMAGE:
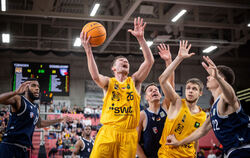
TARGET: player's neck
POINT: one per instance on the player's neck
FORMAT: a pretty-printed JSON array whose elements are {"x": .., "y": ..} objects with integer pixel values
[
  {"x": 216, "y": 92},
  {"x": 193, "y": 106},
  {"x": 154, "y": 106},
  {"x": 27, "y": 97},
  {"x": 120, "y": 77},
  {"x": 87, "y": 137}
]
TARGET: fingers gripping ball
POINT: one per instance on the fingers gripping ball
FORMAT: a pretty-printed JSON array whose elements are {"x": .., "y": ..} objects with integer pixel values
[{"x": 97, "y": 33}]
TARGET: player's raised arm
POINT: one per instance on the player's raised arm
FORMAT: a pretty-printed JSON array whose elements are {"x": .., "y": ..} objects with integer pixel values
[
  {"x": 13, "y": 98},
  {"x": 163, "y": 79},
  {"x": 165, "y": 54},
  {"x": 146, "y": 66},
  {"x": 100, "y": 80},
  {"x": 228, "y": 93}
]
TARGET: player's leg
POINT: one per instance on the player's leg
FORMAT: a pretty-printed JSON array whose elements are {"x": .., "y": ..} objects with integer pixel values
[
  {"x": 128, "y": 144},
  {"x": 104, "y": 144}
]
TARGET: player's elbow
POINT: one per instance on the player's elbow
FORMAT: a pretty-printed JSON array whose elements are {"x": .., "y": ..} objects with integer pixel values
[
  {"x": 162, "y": 80},
  {"x": 96, "y": 79}
]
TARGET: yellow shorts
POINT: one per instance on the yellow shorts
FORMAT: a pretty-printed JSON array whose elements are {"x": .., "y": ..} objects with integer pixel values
[
  {"x": 179, "y": 152},
  {"x": 115, "y": 143}
]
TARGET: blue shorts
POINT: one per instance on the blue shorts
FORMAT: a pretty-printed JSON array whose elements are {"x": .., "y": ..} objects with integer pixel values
[
  {"x": 12, "y": 151},
  {"x": 240, "y": 153}
]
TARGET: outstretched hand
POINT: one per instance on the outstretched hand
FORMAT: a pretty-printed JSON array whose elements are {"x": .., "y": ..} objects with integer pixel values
[
  {"x": 184, "y": 50},
  {"x": 211, "y": 67},
  {"x": 85, "y": 41},
  {"x": 23, "y": 87},
  {"x": 139, "y": 27},
  {"x": 66, "y": 119},
  {"x": 171, "y": 140},
  {"x": 164, "y": 52}
]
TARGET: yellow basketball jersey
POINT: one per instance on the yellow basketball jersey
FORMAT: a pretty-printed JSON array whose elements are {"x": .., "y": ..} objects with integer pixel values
[
  {"x": 182, "y": 126},
  {"x": 121, "y": 104}
]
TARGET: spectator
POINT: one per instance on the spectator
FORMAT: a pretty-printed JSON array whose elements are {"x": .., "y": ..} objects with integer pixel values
[
  {"x": 87, "y": 111},
  {"x": 51, "y": 108},
  {"x": 58, "y": 109}
]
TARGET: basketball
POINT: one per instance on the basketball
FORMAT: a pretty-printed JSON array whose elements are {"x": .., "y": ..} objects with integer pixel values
[{"x": 97, "y": 33}]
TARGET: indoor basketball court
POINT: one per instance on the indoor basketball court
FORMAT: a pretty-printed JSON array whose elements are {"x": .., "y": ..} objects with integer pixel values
[{"x": 98, "y": 78}]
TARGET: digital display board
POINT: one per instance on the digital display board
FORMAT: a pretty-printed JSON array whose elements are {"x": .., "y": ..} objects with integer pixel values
[{"x": 53, "y": 78}]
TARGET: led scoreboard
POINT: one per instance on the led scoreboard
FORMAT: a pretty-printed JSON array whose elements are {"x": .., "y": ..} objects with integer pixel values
[{"x": 53, "y": 78}]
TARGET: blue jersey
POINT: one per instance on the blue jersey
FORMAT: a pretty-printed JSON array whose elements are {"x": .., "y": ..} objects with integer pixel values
[
  {"x": 21, "y": 125},
  {"x": 88, "y": 145},
  {"x": 233, "y": 131},
  {"x": 151, "y": 135}
]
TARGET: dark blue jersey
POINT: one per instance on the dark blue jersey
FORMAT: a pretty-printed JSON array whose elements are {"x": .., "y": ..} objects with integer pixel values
[
  {"x": 88, "y": 145},
  {"x": 21, "y": 125},
  {"x": 233, "y": 131},
  {"x": 151, "y": 135}
]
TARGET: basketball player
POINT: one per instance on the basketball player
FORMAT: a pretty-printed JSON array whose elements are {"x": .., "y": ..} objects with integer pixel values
[
  {"x": 228, "y": 121},
  {"x": 153, "y": 118},
  {"x": 121, "y": 111},
  {"x": 184, "y": 115},
  {"x": 85, "y": 144},
  {"x": 24, "y": 116}
]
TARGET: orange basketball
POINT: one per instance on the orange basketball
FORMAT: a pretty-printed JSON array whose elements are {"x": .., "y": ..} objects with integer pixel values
[{"x": 97, "y": 33}]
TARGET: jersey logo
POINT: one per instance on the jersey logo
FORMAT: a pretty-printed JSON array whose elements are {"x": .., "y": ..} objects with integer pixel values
[
  {"x": 162, "y": 114},
  {"x": 179, "y": 128},
  {"x": 183, "y": 119},
  {"x": 31, "y": 114},
  {"x": 197, "y": 124},
  {"x": 128, "y": 86},
  {"x": 213, "y": 111},
  {"x": 119, "y": 111},
  {"x": 158, "y": 119},
  {"x": 116, "y": 96},
  {"x": 155, "y": 130},
  {"x": 153, "y": 118},
  {"x": 116, "y": 86}
]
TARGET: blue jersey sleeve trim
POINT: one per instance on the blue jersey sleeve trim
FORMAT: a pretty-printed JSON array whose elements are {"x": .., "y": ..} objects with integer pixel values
[{"x": 25, "y": 107}]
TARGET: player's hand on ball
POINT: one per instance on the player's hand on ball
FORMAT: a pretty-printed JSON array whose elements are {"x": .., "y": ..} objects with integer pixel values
[{"x": 85, "y": 41}]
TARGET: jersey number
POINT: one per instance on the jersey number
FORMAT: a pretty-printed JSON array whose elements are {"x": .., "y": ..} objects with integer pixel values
[
  {"x": 130, "y": 96},
  {"x": 215, "y": 125}
]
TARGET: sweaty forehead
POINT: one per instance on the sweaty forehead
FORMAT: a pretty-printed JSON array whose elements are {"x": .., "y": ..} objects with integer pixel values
[
  {"x": 190, "y": 84},
  {"x": 151, "y": 87}
]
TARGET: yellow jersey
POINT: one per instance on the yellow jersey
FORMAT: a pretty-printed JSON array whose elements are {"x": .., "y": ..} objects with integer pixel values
[
  {"x": 121, "y": 104},
  {"x": 181, "y": 126}
]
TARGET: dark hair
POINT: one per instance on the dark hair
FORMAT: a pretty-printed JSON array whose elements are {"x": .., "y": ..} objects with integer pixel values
[
  {"x": 88, "y": 126},
  {"x": 148, "y": 85},
  {"x": 196, "y": 81},
  {"x": 227, "y": 73},
  {"x": 31, "y": 79},
  {"x": 117, "y": 57}
]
